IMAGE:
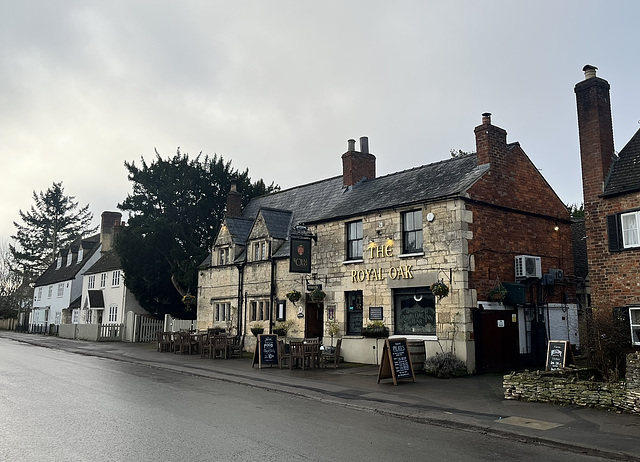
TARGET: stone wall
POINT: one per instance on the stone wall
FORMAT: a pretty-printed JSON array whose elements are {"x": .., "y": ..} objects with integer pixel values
[{"x": 575, "y": 386}]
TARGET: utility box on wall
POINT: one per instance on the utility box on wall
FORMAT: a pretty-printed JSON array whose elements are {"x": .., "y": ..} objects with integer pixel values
[{"x": 515, "y": 293}]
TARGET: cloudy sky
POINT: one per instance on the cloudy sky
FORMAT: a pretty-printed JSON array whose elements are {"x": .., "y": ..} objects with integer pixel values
[{"x": 279, "y": 86}]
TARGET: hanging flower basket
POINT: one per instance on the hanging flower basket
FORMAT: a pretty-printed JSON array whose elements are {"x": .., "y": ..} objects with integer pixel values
[
  {"x": 440, "y": 289},
  {"x": 375, "y": 329},
  {"x": 189, "y": 299},
  {"x": 498, "y": 294},
  {"x": 317, "y": 295},
  {"x": 294, "y": 296},
  {"x": 257, "y": 330}
]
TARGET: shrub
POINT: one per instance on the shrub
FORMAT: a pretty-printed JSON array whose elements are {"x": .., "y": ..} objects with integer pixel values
[{"x": 445, "y": 365}]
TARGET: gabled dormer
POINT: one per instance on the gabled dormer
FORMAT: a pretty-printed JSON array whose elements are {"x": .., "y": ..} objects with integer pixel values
[{"x": 270, "y": 230}]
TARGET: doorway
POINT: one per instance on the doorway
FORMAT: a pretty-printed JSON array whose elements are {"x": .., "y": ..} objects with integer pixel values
[
  {"x": 314, "y": 320},
  {"x": 496, "y": 339}
]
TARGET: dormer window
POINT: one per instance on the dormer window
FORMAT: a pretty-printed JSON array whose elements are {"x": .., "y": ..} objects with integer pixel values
[
  {"x": 59, "y": 263},
  {"x": 69, "y": 258},
  {"x": 259, "y": 251},
  {"x": 223, "y": 256},
  {"x": 80, "y": 254}
]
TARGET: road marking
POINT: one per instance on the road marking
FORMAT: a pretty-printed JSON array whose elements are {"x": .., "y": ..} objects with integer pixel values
[{"x": 528, "y": 423}]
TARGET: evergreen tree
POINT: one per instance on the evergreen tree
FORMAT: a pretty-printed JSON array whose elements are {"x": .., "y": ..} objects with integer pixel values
[
  {"x": 176, "y": 209},
  {"x": 52, "y": 223}
]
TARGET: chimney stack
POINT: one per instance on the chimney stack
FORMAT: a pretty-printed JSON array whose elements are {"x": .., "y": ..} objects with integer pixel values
[
  {"x": 358, "y": 165},
  {"x": 234, "y": 200},
  {"x": 109, "y": 224},
  {"x": 595, "y": 130},
  {"x": 491, "y": 143}
]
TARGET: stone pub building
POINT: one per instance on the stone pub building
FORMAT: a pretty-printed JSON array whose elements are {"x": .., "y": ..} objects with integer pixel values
[{"x": 378, "y": 243}]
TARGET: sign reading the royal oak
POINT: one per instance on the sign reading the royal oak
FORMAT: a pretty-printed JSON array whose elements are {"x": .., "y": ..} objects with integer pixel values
[
  {"x": 379, "y": 274},
  {"x": 300, "y": 255}
]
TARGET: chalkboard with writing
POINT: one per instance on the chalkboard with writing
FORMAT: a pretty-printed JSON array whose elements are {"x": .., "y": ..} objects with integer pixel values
[
  {"x": 556, "y": 354},
  {"x": 396, "y": 361},
  {"x": 266, "y": 351}
]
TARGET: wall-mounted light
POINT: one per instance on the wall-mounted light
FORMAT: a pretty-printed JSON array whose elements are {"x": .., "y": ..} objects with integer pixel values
[{"x": 556, "y": 227}]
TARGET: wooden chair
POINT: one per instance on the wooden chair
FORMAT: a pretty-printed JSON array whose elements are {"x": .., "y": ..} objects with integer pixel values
[
  {"x": 297, "y": 355},
  {"x": 235, "y": 347},
  {"x": 332, "y": 357},
  {"x": 179, "y": 344},
  {"x": 164, "y": 341},
  {"x": 284, "y": 354},
  {"x": 203, "y": 345},
  {"x": 219, "y": 346}
]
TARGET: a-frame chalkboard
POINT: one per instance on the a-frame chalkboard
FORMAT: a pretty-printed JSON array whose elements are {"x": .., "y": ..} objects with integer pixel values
[
  {"x": 266, "y": 351},
  {"x": 396, "y": 361},
  {"x": 557, "y": 354}
]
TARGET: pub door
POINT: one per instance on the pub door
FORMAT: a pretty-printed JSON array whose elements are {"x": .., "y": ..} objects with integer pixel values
[
  {"x": 314, "y": 320},
  {"x": 496, "y": 339}
]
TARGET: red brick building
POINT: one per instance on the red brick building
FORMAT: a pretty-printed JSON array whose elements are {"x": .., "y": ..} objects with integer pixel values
[{"x": 611, "y": 189}]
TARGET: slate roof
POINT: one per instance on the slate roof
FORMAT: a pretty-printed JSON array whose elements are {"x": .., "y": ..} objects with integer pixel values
[
  {"x": 66, "y": 273},
  {"x": 278, "y": 222},
  {"x": 109, "y": 261},
  {"x": 624, "y": 176},
  {"x": 239, "y": 228},
  {"x": 328, "y": 200}
]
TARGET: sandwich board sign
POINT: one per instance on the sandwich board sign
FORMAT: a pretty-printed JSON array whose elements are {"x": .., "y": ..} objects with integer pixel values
[{"x": 396, "y": 361}]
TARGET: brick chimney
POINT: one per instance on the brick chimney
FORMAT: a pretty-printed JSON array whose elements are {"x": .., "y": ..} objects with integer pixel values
[
  {"x": 358, "y": 165},
  {"x": 109, "y": 224},
  {"x": 234, "y": 201},
  {"x": 595, "y": 130},
  {"x": 491, "y": 143}
]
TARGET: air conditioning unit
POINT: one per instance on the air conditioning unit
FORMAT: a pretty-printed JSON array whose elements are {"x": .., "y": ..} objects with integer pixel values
[{"x": 528, "y": 267}]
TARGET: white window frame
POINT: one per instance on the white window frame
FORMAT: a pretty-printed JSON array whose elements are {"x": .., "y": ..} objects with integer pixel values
[
  {"x": 50, "y": 291},
  {"x": 223, "y": 256},
  {"x": 92, "y": 281},
  {"x": 115, "y": 278},
  {"x": 355, "y": 240},
  {"x": 113, "y": 313},
  {"x": 259, "y": 251},
  {"x": 103, "y": 280},
  {"x": 630, "y": 224},
  {"x": 222, "y": 312},
  {"x": 60, "y": 289},
  {"x": 634, "y": 320}
]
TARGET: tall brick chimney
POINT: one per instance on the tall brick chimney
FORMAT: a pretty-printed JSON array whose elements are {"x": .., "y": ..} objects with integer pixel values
[
  {"x": 234, "y": 201},
  {"x": 109, "y": 224},
  {"x": 358, "y": 165},
  {"x": 491, "y": 143},
  {"x": 595, "y": 130}
]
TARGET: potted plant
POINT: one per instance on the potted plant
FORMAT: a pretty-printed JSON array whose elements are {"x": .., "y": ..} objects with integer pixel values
[
  {"x": 317, "y": 295},
  {"x": 376, "y": 329},
  {"x": 333, "y": 328},
  {"x": 257, "y": 329},
  {"x": 294, "y": 296},
  {"x": 440, "y": 289},
  {"x": 281, "y": 329}
]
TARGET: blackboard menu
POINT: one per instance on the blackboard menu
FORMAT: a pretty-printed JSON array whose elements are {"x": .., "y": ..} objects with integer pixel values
[
  {"x": 375, "y": 313},
  {"x": 556, "y": 354},
  {"x": 266, "y": 350},
  {"x": 396, "y": 361}
]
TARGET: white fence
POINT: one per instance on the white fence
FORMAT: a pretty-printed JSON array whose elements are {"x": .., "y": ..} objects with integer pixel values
[
  {"x": 140, "y": 328},
  {"x": 92, "y": 332},
  {"x": 172, "y": 324}
]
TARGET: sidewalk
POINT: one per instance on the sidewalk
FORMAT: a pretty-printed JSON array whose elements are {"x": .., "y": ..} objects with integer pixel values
[{"x": 473, "y": 403}]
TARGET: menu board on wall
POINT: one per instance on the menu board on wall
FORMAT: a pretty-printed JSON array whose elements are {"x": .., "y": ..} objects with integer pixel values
[
  {"x": 396, "y": 361},
  {"x": 266, "y": 351}
]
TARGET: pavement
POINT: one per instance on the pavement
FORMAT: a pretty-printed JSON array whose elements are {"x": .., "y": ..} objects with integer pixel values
[{"x": 472, "y": 403}]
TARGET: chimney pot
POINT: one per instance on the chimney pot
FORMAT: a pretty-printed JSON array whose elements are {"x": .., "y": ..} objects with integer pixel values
[
  {"x": 351, "y": 145},
  {"x": 486, "y": 118},
  {"x": 589, "y": 71},
  {"x": 364, "y": 144}
]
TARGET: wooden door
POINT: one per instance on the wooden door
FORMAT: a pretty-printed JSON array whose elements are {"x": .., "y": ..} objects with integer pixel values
[
  {"x": 314, "y": 320},
  {"x": 496, "y": 338}
]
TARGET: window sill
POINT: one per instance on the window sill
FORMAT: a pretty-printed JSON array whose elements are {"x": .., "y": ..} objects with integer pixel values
[
  {"x": 410, "y": 255},
  {"x": 350, "y": 262}
]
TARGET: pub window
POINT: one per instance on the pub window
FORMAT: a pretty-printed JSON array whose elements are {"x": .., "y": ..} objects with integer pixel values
[
  {"x": 222, "y": 312},
  {"x": 354, "y": 240},
  {"x": 412, "y": 231},
  {"x": 259, "y": 251},
  {"x": 354, "y": 312},
  {"x": 263, "y": 310},
  {"x": 254, "y": 311},
  {"x": 634, "y": 318},
  {"x": 414, "y": 311},
  {"x": 281, "y": 314}
]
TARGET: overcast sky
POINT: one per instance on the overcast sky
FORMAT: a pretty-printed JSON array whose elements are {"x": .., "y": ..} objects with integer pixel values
[{"x": 278, "y": 87}]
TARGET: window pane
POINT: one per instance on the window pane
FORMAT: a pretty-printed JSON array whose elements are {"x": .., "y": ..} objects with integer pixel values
[
  {"x": 415, "y": 312},
  {"x": 630, "y": 229},
  {"x": 354, "y": 240},
  {"x": 354, "y": 312}
]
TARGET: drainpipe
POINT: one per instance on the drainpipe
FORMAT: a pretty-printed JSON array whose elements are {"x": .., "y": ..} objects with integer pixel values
[
  {"x": 272, "y": 292},
  {"x": 241, "y": 327}
]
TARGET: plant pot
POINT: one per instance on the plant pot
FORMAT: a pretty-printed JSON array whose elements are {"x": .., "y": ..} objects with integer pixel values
[
  {"x": 375, "y": 332},
  {"x": 280, "y": 332},
  {"x": 257, "y": 330}
]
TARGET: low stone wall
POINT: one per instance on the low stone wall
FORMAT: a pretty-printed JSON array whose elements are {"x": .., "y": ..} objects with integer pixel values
[{"x": 575, "y": 386}]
